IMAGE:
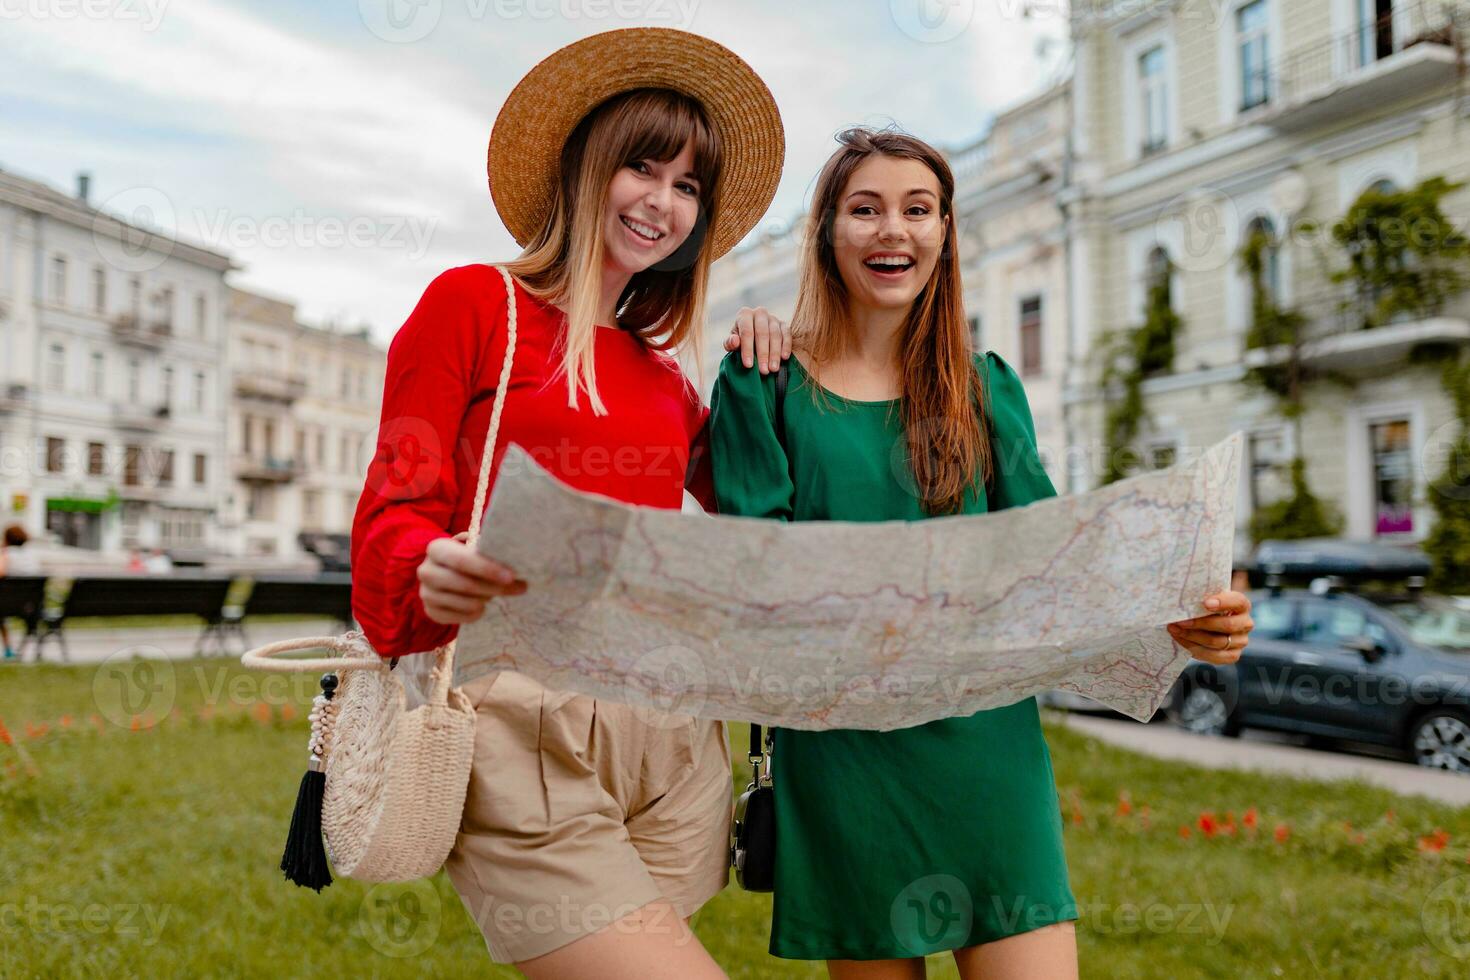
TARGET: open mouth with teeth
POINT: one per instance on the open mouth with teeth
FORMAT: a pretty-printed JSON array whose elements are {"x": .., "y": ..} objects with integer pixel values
[
  {"x": 646, "y": 233},
  {"x": 888, "y": 266}
]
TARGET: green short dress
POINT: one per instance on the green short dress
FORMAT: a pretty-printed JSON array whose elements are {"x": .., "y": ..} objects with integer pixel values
[{"x": 902, "y": 843}]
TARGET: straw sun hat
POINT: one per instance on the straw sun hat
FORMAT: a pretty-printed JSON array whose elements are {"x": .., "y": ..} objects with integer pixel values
[{"x": 526, "y": 141}]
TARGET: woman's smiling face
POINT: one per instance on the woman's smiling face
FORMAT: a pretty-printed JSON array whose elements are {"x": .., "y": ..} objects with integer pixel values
[
  {"x": 652, "y": 206},
  {"x": 888, "y": 231}
]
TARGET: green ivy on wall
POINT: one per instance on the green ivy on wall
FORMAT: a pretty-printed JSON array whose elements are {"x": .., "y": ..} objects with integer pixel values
[
  {"x": 1302, "y": 514},
  {"x": 1133, "y": 356},
  {"x": 1405, "y": 257},
  {"x": 1448, "y": 543}
]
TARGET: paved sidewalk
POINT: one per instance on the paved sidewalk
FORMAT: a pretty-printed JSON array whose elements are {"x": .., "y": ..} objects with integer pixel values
[
  {"x": 173, "y": 642},
  {"x": 1254, "y": 751}
]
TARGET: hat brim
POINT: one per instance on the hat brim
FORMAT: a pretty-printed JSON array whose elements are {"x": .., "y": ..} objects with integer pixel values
[{"x": 541, "y": 112}]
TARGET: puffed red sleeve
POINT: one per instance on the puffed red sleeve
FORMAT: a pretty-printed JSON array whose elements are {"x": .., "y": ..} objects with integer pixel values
[{"x": 411, "y": 490}]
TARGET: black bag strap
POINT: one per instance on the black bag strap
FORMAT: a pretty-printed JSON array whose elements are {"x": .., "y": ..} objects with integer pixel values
[{"x": 783, "y": 378}]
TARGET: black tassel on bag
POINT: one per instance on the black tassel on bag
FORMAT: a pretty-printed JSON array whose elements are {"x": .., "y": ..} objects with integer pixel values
[{"x": 305, "y": 858}]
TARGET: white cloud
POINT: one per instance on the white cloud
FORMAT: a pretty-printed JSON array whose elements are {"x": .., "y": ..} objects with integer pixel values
[{"x": 264, "y": 122}]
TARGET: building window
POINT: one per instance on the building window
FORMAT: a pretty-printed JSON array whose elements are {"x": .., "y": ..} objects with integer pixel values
[
  {"x": 1159, "y": 272},
  {"x": 97, "y": 381},
  {"x": 199, "y": 469},
  {"x": 58, "y": 280},
  {"x": 346, "y": 453},
  {"x": 135, "y": 297},
  {"x": 1163, "y": 455},
  {"x": 1252, "y": 43},
  {"x": 96, "y": 459},
  {"x": 168, "y": 385},
  {"x": 1393, "y": 477},
  {"x": 1270, "y": 256},
  {"x": 977, "y": 337},
  {"x": 321, "y": 447},
  {"x": 166, "y": 468},
  {"x": 198, "y": 391},
  {"x": 99, "y": 289},
  {"x": 135, "y": 378},
  {"x": 132, "y": 455},
  {"x": 247, "y": 431},
  {"x": 164, "y": 303},
  {"x": 1154, "y": 100},
  {"x": 311, "y": 508},
  {"x": 1270, "y": 469},
  {"x": 260, "y": 502},
  {"x": 349, "y": 507},
  {"x": 1031, "y": 336},
  {"x": 300, "y": 446},
  {"x": 55, "y": 455},
  {"x": 55, "y": 367},
  {"x": 201, "y": 315}
]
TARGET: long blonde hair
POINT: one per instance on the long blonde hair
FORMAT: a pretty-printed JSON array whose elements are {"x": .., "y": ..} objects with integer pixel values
[
  {"x": 943, "y": 401},
  {"x": 664, "y": 305}
]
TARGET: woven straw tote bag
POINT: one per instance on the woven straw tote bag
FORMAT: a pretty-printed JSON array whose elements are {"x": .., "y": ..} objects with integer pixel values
[{"x": 386, "y": 783}]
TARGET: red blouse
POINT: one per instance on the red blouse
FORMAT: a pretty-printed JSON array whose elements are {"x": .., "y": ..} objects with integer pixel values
[{"x": 443, "y": 366}]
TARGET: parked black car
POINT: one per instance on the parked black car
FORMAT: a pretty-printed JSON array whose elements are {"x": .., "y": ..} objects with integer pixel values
[{"x": 1391, "y": 668}]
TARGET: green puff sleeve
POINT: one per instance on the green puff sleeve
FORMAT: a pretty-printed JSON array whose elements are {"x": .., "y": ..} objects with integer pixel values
[
  {"x": 1020, "y": 478},
  {"x": 752, "y": 477}
]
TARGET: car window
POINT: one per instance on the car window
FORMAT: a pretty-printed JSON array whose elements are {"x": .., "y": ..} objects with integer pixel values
[
  {"x": 1436, "y": 624},
  {"x": 1273, "y": 619},
  {"x": 1335, "y": 623}
]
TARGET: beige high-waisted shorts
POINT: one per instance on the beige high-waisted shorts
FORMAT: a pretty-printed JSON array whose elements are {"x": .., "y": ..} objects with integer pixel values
[{"x": 580, "y": 811}]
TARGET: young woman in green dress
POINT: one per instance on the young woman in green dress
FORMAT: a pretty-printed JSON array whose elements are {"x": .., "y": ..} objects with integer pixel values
[{"x": 946, "y": 836}]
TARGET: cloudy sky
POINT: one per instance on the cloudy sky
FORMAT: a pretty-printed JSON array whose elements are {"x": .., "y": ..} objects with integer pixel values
[{"x": 335, "y": 148}]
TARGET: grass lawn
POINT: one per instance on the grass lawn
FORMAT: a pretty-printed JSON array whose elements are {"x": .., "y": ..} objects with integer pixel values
[{"x": 146, "y": 840}]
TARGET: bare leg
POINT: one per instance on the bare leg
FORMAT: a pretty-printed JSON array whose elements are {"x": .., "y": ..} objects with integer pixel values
[
  {"x": 1048, "y": 953},
  {"x": 909, "y": 969},
  {"x": 652, "y": 943}
]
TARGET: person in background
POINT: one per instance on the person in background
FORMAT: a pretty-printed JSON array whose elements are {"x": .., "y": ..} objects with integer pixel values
[{"x": 15, "y": 559}]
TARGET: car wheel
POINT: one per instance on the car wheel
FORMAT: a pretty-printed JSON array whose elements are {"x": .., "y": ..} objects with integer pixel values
[
  {"x": 1203, "y": 711},
  {"x": 1441, "y": 740}
]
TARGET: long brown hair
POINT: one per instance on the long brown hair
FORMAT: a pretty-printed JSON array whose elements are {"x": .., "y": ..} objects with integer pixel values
[
  {"x": 662, "y": 305},
  {"x": 942, "y": 398}
]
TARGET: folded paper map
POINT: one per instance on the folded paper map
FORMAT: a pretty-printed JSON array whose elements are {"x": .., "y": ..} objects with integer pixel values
[{"x": 827, "y": 624}]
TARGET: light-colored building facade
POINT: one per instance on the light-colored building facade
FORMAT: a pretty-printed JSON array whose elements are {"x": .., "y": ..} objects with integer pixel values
[
  {"x": 763, "y": 273},
  {"x": 112, "y": 409},
  {"x": 1013, "y": 255},
  {"x": 144, "y": 403},
  {"x": 1196, "y": 123},
  {"x": 304, "y": 405}
]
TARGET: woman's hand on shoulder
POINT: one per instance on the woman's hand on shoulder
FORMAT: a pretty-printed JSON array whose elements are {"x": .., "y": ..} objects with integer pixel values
[
  {"x": 760, "y": 337},
  {"x": 456, "y": 581}
]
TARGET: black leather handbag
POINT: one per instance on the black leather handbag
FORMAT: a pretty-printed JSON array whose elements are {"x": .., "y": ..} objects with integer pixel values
[{"x": 753, "y": 850}]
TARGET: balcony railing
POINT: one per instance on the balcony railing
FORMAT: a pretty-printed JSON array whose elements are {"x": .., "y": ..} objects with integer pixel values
[
  {"x": 13, "y": 397},
  {"x": 270, "y": 386},
  {"x": 129, "y": 328},
  {"x": 1336, "y": 341},
  {"x": 1418, "y": 46},
  {"x": 266, "y": 469},
  {"x": 142, "y": 416}
]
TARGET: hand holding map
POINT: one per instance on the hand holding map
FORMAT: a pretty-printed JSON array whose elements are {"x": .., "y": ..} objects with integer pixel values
[{"x": 815, "y": 625}]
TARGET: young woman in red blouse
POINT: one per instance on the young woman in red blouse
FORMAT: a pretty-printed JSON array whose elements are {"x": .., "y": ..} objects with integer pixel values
[{"x": 623, "y": 164}]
